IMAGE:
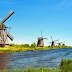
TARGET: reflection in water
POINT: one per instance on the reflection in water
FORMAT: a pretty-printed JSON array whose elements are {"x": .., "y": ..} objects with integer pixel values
[{"x": 3, "y": 60}]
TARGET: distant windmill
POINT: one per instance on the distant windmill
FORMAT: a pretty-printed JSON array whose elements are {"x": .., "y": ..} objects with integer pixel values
[
  {"x": 63, "y": 44},
  {"x": 59, "y": 43},
  {"x": 4, "y": 33},
  {"x": 40, "y": 42},
  {"x": 53, "y": 42}
]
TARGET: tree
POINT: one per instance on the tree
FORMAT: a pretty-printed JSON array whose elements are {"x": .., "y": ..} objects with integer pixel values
[
  {"x": 33, "y": 45},
  {"x": 12, "y": 44},
  {"x": 22, "y": 45},
  {"x": 17, "y": 45},
  {"x": 26, "y": 45}
]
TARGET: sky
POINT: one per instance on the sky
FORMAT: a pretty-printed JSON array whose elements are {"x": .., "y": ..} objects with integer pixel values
[{"x": 53, "y": 17}]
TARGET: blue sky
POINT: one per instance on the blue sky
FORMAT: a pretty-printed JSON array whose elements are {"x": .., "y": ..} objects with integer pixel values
[{"x": 53, "y": 17}]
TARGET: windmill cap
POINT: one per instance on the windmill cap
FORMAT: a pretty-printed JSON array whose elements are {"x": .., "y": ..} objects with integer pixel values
[
  {"x": 39, "y": 38},
  {"x": 2, "y": 26}
]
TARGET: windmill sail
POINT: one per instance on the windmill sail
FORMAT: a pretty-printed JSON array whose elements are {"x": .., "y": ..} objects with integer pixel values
[
  {"x": 51, "y": 38},
  {"x": 10, "y": 36},
  {"x": 41, "y": 33},
  {"x": 44, "y": 38},
  {"x": 40, "y": 42},
  {"x": 4, "y": 33},
  {"x": 11, "y": 12},
  {"x": 55, "y": 40}
]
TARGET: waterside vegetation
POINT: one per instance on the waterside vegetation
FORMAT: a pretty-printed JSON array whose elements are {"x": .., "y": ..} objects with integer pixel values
[
  {"x": 26, "y": 47},
  {"x": 65, "y": 66}
]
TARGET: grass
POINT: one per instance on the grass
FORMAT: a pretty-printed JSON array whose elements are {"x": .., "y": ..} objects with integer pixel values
[
  {"x": 13, "y": 49},
  {"x": 21, "y": 49},
  {"x": 65, "y": 66},
  {"x": 33, "y": 69}
]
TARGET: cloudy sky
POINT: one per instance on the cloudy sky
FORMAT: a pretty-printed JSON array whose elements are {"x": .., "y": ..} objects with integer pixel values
[{"x": 53, "y": 17}]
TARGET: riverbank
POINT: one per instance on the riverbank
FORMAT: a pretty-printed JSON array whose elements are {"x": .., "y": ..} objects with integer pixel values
[
  {"x": 13, "y": 49},
  {"x": 21, "y": 49},
  {"x": 65, "y": 66}
]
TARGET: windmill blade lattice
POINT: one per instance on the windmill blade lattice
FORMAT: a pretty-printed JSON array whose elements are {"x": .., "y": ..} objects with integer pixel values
[
  {"x": 11, "y": 12},
  {"x": 4, "y": 33}
]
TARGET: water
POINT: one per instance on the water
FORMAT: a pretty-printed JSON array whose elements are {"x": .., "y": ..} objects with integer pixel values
[{"x": 46, "y": 58}]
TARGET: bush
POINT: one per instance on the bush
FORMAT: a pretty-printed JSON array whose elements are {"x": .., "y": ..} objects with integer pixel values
[
  {"x": 12, "y": 44},
  {"x": 22, "y": 45},
  {"x": 17, "y": 45},
  {"x": 26, "y": 45},
  {"x": 66, "y": 65},
  {"x": 33, "y": 45}
]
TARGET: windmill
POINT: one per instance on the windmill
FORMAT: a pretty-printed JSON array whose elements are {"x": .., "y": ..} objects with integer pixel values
[
  {"x": 63, "y": 44},
  {"x": 4, "y": 33},
  {"x": 40, "y": 42},
  {"x": 59, "y": 43},
  {"x": 53, "y": 42}
]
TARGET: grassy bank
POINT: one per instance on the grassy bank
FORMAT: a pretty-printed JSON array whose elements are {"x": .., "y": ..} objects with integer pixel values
[
  {"x": 21, "y": 49},
  {"x": 13, "y": 49},
  {"x": 65, "y": 66}
]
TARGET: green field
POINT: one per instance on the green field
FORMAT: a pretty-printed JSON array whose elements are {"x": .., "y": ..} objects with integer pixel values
[{"x": 65, "y": 66}]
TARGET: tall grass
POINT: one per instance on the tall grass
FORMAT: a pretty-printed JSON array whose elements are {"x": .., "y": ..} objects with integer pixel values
[
  {"x": 33, "y": 69},
  {"x": 66, "y": 65}
]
